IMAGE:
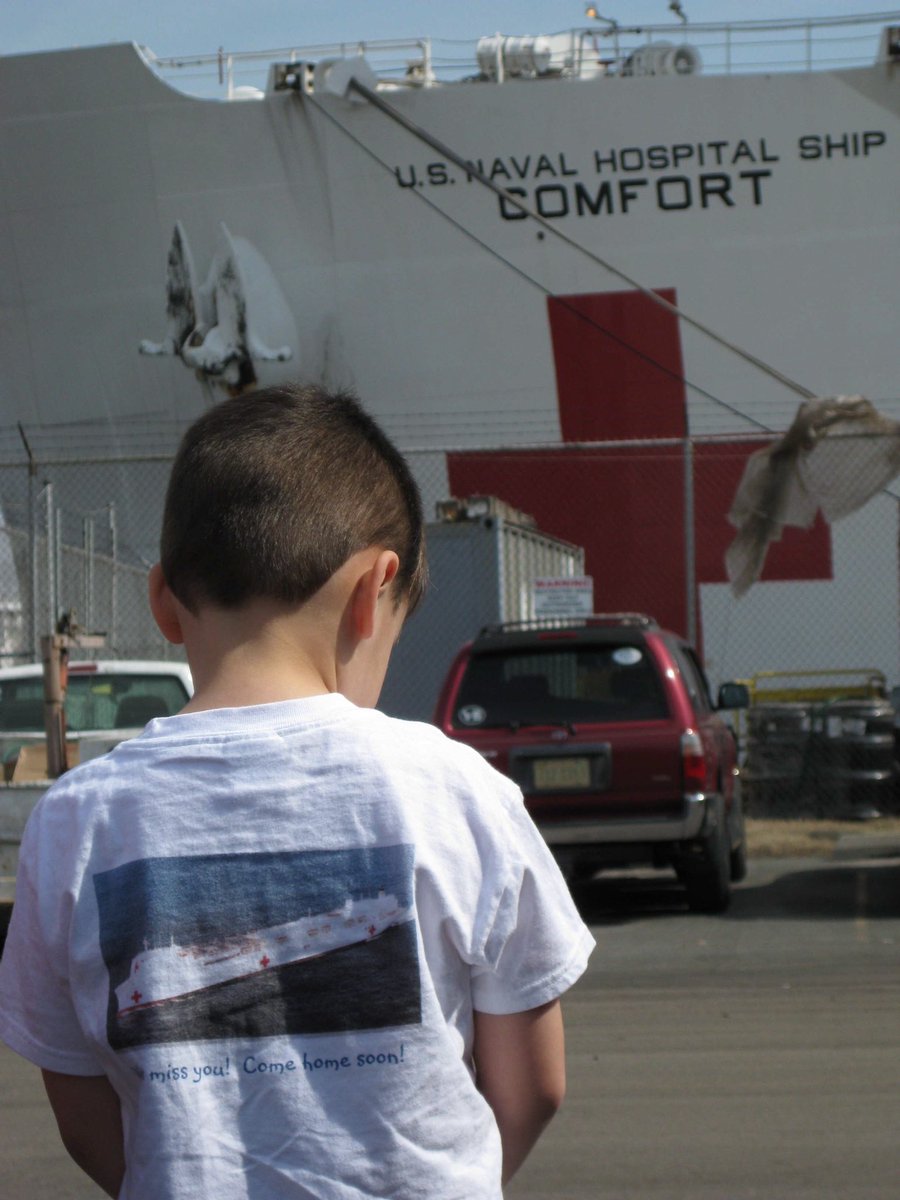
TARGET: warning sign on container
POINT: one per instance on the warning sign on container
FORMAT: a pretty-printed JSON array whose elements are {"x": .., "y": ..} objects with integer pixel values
[{"x": 564, "y": 596}]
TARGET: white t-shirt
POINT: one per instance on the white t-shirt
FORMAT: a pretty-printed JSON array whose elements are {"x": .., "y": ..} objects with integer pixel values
[{"x": 269, "y": 927}]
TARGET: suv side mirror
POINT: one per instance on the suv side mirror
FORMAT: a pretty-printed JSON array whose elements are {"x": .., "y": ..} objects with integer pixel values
[{"x": 734, "y": 695}]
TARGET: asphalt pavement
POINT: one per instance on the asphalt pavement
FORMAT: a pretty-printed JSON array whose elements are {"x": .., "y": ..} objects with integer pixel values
[{"x": 752, "y": 1055}]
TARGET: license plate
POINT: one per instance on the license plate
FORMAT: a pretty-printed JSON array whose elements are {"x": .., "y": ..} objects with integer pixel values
[{"x": 552, "y": 773}]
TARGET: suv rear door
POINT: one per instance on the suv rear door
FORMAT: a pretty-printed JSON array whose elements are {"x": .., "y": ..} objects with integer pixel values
[
  {"x": 718, "y": 740},
  {"x": 582, "y": 720}
]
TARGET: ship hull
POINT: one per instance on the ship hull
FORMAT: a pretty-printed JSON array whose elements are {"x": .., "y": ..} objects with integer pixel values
[{"x": 765, "y": 207}]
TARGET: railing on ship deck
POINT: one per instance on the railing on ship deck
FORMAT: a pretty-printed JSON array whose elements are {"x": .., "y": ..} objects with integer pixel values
[{"x": 745, "y": 47}]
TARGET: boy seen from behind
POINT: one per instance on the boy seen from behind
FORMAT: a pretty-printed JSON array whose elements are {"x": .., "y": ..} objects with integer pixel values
[{"x": 281, "y": 945}]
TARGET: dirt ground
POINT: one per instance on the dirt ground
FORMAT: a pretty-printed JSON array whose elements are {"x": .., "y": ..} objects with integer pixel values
[{"x": 781, "y": 839}]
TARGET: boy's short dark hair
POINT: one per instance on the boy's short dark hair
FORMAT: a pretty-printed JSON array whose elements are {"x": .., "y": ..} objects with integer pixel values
[{"x": 271, "y": 492}]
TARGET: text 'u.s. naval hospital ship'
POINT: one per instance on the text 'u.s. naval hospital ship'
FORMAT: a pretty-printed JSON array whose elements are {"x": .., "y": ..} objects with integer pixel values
[{"x": 586, "y": 272}]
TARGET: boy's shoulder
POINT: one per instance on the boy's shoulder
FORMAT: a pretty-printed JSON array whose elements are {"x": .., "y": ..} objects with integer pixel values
[
  {"x": 416, "y": 737},
  {"x": 425, "y": 753}
]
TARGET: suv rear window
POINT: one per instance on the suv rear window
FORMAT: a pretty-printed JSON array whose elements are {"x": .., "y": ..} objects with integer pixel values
[
  {"x": 93, "y": 702},
  {"x": 577, "y": 683}
]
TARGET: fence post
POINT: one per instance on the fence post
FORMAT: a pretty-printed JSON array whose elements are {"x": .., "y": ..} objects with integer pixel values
[
  {"x": 32, "y": 565},
  {"x": 54, "y": 654},
  {"x": 87, "y": 535},
  {"x": 114, "y": 551},
  {"x": 60, "y": 566},
  {"x": 32, "y": 552},
  {"x": 51, "y": 560}
]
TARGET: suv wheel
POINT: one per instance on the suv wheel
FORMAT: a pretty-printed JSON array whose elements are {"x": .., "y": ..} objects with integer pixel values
[{"x": 707, "y": 873}]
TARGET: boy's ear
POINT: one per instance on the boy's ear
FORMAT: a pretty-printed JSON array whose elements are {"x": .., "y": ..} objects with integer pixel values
[
  {"x": 371, "y": 586},
  {"x": 164, "y": 606}
]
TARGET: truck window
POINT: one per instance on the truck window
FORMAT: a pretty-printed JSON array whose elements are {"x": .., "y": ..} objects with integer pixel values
[
  {"x": 694, "y": 677},
  {"x": 93, "y": 702}
]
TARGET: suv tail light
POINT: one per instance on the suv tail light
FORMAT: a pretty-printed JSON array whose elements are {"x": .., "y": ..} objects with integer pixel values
[{"x": 693, "y": 762}]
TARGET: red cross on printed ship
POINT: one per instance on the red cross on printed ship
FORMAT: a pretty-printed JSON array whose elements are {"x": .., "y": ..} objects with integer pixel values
[{"x": 626, "y": 505}]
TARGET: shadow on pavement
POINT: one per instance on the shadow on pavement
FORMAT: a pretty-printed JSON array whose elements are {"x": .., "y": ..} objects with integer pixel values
[
  {"x": 791, "y": 889},
  {"x": 614, "y": 899},
  {"x": 821, "y": 892}
]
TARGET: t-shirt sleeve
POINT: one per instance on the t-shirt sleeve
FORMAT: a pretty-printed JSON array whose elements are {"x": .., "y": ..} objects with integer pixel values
[
  {"x": 37, "y": 1014},
  {"x": 536, "y": 944}
]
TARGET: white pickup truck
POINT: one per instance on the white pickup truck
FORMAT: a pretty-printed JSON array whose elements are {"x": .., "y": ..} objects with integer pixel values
[{"x": 106, "y": 701}]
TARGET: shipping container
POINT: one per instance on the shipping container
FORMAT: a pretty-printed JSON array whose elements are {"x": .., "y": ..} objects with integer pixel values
[{"x": 499, "y": 554}]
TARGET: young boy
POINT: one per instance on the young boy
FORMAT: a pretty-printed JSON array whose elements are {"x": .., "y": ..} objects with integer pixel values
[{"x": 280, "y": 945}]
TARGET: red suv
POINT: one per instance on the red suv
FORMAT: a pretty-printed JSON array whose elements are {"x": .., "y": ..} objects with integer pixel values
[{"x": 607, "y": 725}]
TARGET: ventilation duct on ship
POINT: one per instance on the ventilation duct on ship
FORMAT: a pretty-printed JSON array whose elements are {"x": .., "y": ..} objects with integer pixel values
[
  {"x": 662, "y": 58},
  {"x": 334, "y": 76},
  {"x": 500, "y": 57}
]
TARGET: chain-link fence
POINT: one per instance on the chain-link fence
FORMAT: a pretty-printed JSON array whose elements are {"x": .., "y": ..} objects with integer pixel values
[
  {"x": 78, "y": 538},
  {"x": 648, "y": 521},
  {"x": 652, "y": 520}
]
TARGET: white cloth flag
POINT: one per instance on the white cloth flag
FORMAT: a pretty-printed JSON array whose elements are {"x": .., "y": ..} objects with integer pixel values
[{"x": 837, "y": 455}]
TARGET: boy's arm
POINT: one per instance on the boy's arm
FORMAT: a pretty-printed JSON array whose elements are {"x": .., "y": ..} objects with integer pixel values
[
  {"x": 521, "y": 1071},
  {"x": 89, "y": 1117}
]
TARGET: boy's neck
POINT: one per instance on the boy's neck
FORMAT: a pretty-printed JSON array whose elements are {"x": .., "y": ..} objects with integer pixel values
[
  {"x": 264, "y": 651},
  {"x": 259, "y": 654}
]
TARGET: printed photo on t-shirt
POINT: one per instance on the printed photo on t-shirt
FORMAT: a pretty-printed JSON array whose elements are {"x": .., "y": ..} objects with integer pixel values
[{"x": 256, "y": 945}]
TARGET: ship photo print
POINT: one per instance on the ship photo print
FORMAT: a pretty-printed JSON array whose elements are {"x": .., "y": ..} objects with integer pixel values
[{"x": 256, "y": 945}]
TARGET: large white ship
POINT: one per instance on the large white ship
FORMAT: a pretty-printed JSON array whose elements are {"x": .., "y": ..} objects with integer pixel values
[
  {"x": 174, "y": 972},
  {"x": 479, "y": 257}
]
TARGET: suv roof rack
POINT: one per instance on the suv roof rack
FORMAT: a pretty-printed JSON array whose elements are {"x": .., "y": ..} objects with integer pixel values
[{"x": 592, "y": 620}]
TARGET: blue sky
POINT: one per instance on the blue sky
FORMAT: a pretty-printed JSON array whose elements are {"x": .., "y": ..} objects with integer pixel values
[{"x": 182, "y": 27}]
